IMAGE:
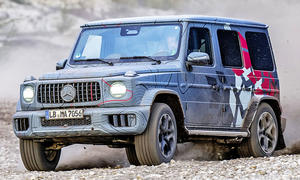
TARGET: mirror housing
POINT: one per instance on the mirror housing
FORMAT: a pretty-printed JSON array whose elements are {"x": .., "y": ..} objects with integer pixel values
[
  {"x": 61, "y": 64},
  {"x": 198, "y": 58}
]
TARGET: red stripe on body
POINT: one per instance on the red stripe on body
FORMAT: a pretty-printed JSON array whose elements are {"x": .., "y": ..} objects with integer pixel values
[
  {"x": 116, "y": 100},
  {"x": 238, "y": 72}
]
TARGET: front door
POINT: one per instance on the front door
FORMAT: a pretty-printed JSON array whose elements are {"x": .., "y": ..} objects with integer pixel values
[{"x": 202, "y": 97}]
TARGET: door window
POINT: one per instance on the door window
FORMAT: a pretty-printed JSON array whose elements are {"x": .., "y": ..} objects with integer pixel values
[
  {"x": 230, "y": 48},
  {"x": 199, "y": 41},
  {"x": 259, "y": 51}
]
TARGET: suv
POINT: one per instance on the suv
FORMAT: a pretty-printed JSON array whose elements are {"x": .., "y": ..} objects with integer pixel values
[{"x": 146, "y": 84}]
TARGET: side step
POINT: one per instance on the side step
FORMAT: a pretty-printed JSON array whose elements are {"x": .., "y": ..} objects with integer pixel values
[{"x": 214, "y": 132}]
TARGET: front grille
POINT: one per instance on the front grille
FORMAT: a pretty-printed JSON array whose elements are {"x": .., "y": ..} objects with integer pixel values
[
  {"x": 21, "y": 124},
  {"x": 66, "y": 122},
  {"x": 85, "y": 92},
  {"x": 122, "y": 120}
]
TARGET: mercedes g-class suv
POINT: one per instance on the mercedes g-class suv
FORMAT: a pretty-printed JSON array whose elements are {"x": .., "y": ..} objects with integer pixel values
[{"x": 146, "y": 84}]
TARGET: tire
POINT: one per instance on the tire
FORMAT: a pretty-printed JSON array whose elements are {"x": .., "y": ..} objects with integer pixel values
[
  {"x": 36, "y": 158},
  {"x": 158, "y": 143},
  {"x": 131, "y": 155},
  {"x": 264, "y": 134}
]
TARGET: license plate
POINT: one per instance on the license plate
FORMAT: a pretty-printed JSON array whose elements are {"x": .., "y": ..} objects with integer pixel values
[{"x": 64, "y": 114}]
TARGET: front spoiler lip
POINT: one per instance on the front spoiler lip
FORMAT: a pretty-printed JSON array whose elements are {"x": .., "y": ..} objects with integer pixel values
[{"x": 99, "y": 126}]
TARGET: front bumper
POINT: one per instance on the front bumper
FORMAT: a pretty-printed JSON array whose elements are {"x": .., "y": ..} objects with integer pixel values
[{"x": 100, "y": 125}]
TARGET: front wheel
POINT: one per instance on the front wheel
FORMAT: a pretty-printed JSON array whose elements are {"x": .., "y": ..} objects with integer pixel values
[
  {"x": 131, "y": 155},
  {"x": 264, "y": 134},
  {"x": 158, "y": 143},
  {"x": 36, "y": 157}
]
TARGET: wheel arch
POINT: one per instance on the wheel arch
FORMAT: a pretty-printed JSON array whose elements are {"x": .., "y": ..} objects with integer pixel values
[
  {"x": 172, "y": 99},
  {"x": 275, "y": 105}
]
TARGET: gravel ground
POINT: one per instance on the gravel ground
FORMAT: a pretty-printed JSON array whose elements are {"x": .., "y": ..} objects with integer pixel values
[{"x": 98, "y": 162}]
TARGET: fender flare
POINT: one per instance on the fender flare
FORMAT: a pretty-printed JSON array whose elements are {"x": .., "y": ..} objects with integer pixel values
[
  {"x": 253, "y": 106},
  {"x": 252, "y": 110},
  {"x": 151, "y": 94}
]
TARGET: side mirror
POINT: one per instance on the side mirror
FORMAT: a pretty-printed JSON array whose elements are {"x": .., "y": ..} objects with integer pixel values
[
  {"x": 61, "y": 64},
  {"x": 198, "y": 58}
]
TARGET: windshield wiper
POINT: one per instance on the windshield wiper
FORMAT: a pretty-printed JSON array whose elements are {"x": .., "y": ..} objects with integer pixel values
[
  {"x": 143, "y": 57},
  {"x": 96, "y": 59}
]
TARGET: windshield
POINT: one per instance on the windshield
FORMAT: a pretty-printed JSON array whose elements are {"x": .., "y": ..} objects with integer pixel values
[{"x": 118, "y": 44}]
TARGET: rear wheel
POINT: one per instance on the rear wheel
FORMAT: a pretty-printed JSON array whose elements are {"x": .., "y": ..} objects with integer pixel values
[
  {"x": 158, "y": 143},
  {"x": 264, "y": 134},
  {"x": 35, "y": 157}
]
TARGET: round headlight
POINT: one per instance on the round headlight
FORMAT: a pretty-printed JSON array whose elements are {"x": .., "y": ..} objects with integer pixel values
[
  {"x": 28, "y": 94},
  {"x": 117, "y": 89}
]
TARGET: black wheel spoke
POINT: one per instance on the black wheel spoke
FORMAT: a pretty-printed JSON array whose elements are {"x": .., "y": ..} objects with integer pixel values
[
  {"x": 266, "y": 132},
  {"x": 166, "y": 135},
  {"x": 163, "y": 144}
]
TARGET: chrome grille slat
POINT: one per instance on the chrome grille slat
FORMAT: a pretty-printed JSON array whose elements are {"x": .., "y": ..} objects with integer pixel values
[
  {"x": 45, "y": 93},
  {"x": 53, "y": 91},
  {"x": 77, "y": 93},
  {"x": 95, "y": 91},
  {"x": 73, "y": 84},
  {"x": 49, "y": 88},
  {"x": 85, "y": 92},
  {"x": 40, "y": 94},
  {"x": 58, "y": 94},
  {"x": 82, "y": 92}
]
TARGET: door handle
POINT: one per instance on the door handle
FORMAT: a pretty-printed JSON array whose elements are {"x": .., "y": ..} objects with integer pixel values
[
  {"x": 226, "y": 88},
  {"x": 215, "y": 87},
  {"x": 223, "y": 79}
]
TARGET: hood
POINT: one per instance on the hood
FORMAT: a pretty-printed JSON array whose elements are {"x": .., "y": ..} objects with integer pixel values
[{"x": 108, "y": 71}]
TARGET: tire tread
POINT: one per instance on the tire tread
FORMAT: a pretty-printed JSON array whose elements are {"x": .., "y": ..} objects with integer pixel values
[
  {"x": 131, "y": 155},
  {"x": 249, "y": 147},
  {"x": 33, "y": 159},
  {"x": 145, "y": 151}
]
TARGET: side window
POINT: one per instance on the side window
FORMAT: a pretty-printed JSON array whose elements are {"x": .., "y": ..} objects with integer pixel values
[
  {"x": 259, "y": 51},
  {"x": 199, "y": 41},
  {"x": 230, "y": 48}
]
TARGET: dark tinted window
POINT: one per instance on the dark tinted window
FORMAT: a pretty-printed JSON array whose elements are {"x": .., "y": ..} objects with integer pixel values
[
  {"x": 259, "y": 51},
  {"x": 230, "y": 48},
  {"x": 199, "y": 41}
]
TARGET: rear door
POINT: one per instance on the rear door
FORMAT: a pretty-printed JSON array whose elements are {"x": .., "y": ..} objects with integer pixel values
[
  {"x": 229, "y": 53},
  {"x": 248, "y": 68},
  {"x": 236, "y": 69}
]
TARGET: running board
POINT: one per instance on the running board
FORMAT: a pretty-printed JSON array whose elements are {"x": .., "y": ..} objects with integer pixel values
[{"x": 205, "y": 132}]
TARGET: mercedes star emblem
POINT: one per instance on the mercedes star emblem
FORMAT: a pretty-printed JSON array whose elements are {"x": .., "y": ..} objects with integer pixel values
[{"x": 68, "y": 93}]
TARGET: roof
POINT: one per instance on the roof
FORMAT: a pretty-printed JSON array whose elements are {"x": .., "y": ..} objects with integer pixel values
[{"x": 178, "y": 18}]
